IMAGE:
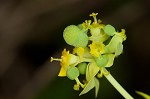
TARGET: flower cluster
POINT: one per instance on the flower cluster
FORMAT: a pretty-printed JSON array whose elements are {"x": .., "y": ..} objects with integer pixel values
[{"x": 95, "y": 47}]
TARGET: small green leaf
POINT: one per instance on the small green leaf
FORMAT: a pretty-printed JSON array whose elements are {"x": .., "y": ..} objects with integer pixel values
[
  {"x": 72, "y": 72},
  {"x": 90, "y": 85},
  {"x": 109, "y": 30},
  {"x": 94, "y": 82},
  {"x": 144, "y": 95}
]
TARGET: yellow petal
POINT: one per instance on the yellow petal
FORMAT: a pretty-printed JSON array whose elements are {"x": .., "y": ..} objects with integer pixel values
[{"x": 62, "y": 72}]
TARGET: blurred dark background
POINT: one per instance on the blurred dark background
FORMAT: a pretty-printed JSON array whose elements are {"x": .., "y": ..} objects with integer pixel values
[{"x": 31, "y": 32}]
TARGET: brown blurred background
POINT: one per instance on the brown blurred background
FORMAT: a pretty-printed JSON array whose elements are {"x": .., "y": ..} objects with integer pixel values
[{"x": 31, "y": 32}]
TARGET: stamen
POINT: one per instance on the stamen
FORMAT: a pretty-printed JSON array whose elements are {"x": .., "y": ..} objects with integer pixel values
[
  {"x": 86, "y": 24},
  {"x": 94, "y": 17},
  {"x": 56, "y": 59},
  {"x": 76, "y": 87},
  {"x": 79, "y": 83},
  {"x": 89, "y": 22},
  {"x": 99, "y": 21}
]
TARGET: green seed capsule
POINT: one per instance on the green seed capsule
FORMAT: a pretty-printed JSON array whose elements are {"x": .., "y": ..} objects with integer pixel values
[
  {"x": 72, "y": 72},
  {"x": 82, "y": 68},
  {"x": 74, "y": 36},
  {"x": 109, "y": 30},
  {"x": 101, "y": 61}
]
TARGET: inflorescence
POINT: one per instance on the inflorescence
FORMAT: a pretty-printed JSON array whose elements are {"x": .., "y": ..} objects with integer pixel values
[{"x": 95, "y": 47}]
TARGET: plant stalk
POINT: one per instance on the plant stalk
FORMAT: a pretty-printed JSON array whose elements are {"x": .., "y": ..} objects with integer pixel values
[{"x": 119, "y": 88}]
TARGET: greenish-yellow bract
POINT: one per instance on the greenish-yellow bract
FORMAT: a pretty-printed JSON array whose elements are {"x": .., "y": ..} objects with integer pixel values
[
  {"x": 74, "y": 36},
  {"x": 115, "y": 45}
]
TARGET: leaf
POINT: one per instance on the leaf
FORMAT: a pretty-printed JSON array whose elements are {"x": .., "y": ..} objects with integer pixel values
[
  {"x": 90, "y": 85},
  {"x": 146, "y": 96},
  {"x": 96, "y": 86},
  {"x": 91, "y": 70}
]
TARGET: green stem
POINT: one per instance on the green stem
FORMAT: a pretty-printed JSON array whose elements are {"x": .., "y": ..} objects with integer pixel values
[
  {"x": 79, "y": 83},
  {"x": 119, "y": 88}
]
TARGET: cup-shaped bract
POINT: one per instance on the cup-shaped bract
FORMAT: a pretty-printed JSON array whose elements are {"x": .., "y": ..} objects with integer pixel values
[{"x": 115, "y": 45}]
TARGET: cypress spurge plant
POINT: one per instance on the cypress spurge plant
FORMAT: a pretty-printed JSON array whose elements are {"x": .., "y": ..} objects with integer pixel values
[{"x": 95, "y": 47}]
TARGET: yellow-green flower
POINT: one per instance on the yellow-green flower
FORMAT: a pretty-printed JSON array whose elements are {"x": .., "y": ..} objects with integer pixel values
[
  {"x": 96, "y": 22},
  {"x": 66, "y": 60},
  {"x": 90, "y": 56},
  {"x": 96, "y": 29},
  {"x": 96, "y": 48}
]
